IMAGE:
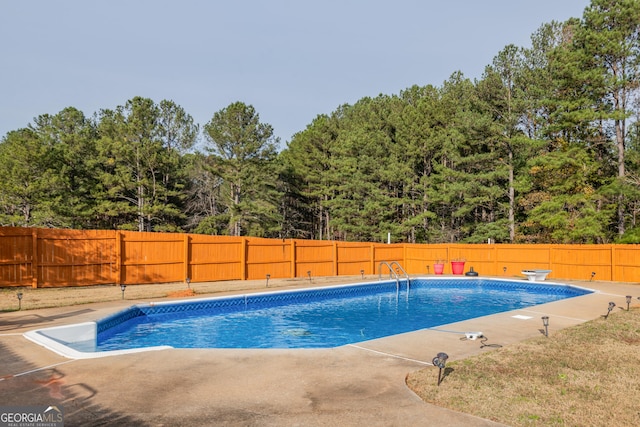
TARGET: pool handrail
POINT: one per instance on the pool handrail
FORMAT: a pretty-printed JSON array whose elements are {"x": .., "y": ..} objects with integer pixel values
[{"x": 393, "y": 273}]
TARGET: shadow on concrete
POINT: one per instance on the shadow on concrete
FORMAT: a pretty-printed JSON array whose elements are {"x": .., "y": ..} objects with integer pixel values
[
  {"x": 32, "y": 319},
  {"x": 22, "y": 383}
]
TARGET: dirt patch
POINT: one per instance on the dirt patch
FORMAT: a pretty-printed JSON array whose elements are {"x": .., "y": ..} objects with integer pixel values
[{"x": 181, "y": 294}]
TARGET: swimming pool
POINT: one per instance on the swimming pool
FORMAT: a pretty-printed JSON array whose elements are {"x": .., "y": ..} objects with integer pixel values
[{"x": 311, "y": 318}]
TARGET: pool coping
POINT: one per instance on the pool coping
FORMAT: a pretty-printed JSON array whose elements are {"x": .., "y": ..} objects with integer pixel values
[
  {"x": 54, "y": 339},
  {"x": 58, "y": 338}
]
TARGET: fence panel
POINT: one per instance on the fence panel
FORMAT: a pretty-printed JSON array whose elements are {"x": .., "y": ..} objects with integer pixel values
[
  {"x": 314, "y": 258},
  {"x": 16, "y": 249},
  {"x": 152, "y": 258},
  {"x": 419, "y": 258},
  {"x": 212, "y": 258},
  {"x": 353, "y": 259},
  {"x": 74, "y": 257},
  {"x": 510, "y": 260},
  {"x": 481, "y": 257},
  {"x": 389, "y": 253},
  {"x": 268, "y": 256},
  {"x": 580, "y": 261},
  {"x": 625, "y": 262}
]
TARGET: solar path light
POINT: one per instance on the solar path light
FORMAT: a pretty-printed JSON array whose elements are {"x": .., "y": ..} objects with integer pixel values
[
  {"x": 611, "y": 307},
  {"x": 545, "y": 323},
  {"x": 440, "y": 361},
  {"x": 362, "y": 273},
  {"x": 19, "y": 295},
  {"x": 268, "y": 277},
  {"x": 628, "y": 301},
  {"x": 188, "y": 280},
  {"x": 122, "y": 288}
]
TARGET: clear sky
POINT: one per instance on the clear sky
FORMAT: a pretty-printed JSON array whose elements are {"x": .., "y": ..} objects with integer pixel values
[{"x": 290, "y": 59}]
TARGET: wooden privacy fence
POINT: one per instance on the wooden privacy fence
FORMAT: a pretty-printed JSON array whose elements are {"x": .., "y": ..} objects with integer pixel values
[{"x": 57, "y": 258}]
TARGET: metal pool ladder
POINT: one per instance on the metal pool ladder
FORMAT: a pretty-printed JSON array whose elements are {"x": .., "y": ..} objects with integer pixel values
[{"x": 394, "y": 273}]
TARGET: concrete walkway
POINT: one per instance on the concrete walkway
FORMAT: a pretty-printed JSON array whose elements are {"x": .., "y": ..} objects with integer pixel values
[{"x": 354, "y": 385}]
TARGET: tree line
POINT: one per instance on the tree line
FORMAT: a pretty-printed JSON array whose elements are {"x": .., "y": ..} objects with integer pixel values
[{"x": 543, "y": 148}]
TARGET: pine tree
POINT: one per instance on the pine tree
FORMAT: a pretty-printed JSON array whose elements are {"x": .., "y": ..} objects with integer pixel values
[{"x": 243, "y": 155}]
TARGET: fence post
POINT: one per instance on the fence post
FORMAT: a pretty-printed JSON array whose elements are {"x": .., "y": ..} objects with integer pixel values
[
  {"x": 186, "y": 256},
  {"x": 34, "y": 259},
  {"x": 373, "y": 258},
  {"x": 612, "y": 262},
  {"x": 118, "y": 252},
  {"x": 293, "y": 259},
  {"x": 335, "y": 257},
  {"x": 243, "y": 259},
  {"x": 404, "y": 255}
]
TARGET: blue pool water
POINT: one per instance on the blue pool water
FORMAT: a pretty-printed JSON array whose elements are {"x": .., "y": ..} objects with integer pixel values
[{"x": 318, "y": 318}]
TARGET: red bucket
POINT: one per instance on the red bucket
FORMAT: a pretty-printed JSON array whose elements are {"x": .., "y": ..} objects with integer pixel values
[
  {"x": 438, "y": 268},
  {"x": 457, "y": 267}
]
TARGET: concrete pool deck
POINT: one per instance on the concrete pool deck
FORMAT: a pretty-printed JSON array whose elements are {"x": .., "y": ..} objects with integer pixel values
[{"x": 362, "y": 384}]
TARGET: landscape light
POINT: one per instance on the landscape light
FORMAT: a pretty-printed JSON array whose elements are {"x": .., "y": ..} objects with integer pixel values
[
  {"x": 268, "y": 277},
  {"x": 440, "y": 361},
  {"x": 611, "y": 307},
  {"x": 188, "y": 282},
  {"x": 504, "y": 269},
  {"x": 362, "y": 273},
  {"x": 19, "y": 295},
  {"x": 122, "y": 288},
  {"x": 309, "y": 274},
  {"x": 628, "y": 301},
  {"x": 593, "y": 273},
  {"x": 545, "y": 323}
]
